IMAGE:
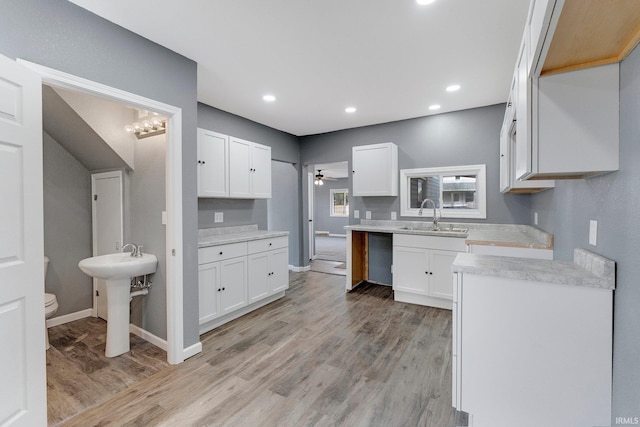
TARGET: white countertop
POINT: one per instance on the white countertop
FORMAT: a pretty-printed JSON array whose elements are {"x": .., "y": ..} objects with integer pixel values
[
  {"x": 587, "y": 269},
  {"x": 512, "y": 235},
  {"x": 225, "y": 235}
]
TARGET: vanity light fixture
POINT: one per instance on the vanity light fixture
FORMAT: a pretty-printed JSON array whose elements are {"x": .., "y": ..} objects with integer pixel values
[
  {"x": 148, "y": 127},
  {"x": 269, "y": 98},
  {"x": 350, "y": 110},
  {"x": 424, "y": 2},
  {"x": 453, "y": 88},
  {"x": 434, "y": 107}
]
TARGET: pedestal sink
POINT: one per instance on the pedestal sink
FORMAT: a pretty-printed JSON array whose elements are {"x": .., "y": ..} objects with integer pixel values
[{"x": 118, "y": 269}]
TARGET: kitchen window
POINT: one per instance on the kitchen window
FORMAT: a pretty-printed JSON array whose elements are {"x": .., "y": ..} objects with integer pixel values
[
  {"x": 457, "y": 191},
  {"x": 339, "y": 202}
]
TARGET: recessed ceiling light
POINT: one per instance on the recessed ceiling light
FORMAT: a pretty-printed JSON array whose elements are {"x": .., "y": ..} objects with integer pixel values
[
  {"x": 434, "y": 107},
  {"x": 423, "y": 2},
  {"x": 453, "y": 88},
  {"x": 350, "y": 110},
  {"x": 269, "y": 98}
]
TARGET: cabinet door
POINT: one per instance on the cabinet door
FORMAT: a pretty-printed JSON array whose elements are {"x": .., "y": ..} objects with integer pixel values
[
  {"x": 208, "y": 285},
  {"x": 375, "y": 170},
  {"x": 411, "y": 270},
  {"x": 213, "y": 164},
  {"x": 261, "y": 171},
  {"x": 279, "y": 269},
  {"x": 504, "y": 151},
  {"x": 440, "y": 277},
  {"x": 523, "y": 118},
  {"x": 233, "y": 284},
  {"x": 258, "y": 281},
  {"x": 239, "y": 168}
]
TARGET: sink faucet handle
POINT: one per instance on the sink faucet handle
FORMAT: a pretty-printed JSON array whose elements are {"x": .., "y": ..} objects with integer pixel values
[{"x": 140, "y": 250}]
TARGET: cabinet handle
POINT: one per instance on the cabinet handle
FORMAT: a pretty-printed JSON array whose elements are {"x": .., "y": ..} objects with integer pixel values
[
  {"x": 270, "y": 244},
  {"x": 426, "y": 272},
  {"x": 220, "y": 252},
  {"x": 501, "y": 155},
  {"x": 223, "y": 289},
  {"x": 353, "y": 171},
  {"x": 203, "y": 162},
  {"x": 431, "y": 272},
  {"x": 218, "y": 289}
]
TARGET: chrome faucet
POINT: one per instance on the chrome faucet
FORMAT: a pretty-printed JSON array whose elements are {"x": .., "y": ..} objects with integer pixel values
[
  {"x": 435, "y": 216},
  {"x": 135, "y": 249}
]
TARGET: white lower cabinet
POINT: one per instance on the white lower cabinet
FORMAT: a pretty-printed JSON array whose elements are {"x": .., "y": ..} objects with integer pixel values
[
  {"x": 237, "y": 278},
  {"x": 422, "y": 269},
  {"x": 531, "y": 353}
]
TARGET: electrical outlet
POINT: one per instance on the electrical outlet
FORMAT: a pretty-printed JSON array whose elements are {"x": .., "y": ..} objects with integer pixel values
[
  {"x": 394, "y": 216},
  {"x": 593, "y": 232},
  {"x": 356, "y": 214},
  {"x": 219, "y": 217},
  {"x": 367, "y": 215},
  {"x": 535, "y": 218}
]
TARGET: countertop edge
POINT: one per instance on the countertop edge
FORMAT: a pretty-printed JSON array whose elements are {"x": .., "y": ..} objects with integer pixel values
[{"x": 225, "y": 239}]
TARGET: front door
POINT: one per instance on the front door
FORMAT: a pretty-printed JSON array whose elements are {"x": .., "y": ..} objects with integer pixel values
[{"x": 23, "y": 399}]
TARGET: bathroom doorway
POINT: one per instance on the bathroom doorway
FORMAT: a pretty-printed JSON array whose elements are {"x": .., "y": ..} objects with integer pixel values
[{"x": 173, "y": 168}]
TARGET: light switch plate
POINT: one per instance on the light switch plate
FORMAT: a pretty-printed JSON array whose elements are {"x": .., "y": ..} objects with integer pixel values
[
  {"x": 219, "y": 217},
  {"x": 593, "y": 232},
  {"x": 164, "y": 217},
  {"x": 394, "y": 216},
  {"x": 356, "y": 213},
  {"x": 535, "y": 218},
  {"x": 367, "y": 215}
]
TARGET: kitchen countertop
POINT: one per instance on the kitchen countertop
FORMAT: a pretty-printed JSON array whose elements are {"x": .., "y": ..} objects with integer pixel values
[
  {"x": 224, "y": 235},
  {"x": 587, "y": 269},
  {"x": 511, "y": 235}
]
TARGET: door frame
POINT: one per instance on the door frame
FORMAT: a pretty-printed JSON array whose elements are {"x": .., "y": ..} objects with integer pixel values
[
  {"x": 310, "y": 209},
  {"x": 173, "y": 176}
]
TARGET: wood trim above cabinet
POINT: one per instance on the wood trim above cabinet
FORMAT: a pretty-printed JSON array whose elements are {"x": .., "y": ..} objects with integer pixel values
[{"x": 591, "y": 33}]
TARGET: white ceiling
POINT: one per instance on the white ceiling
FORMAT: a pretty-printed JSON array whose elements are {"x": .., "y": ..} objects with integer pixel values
[{"x": 391, "y": 59}]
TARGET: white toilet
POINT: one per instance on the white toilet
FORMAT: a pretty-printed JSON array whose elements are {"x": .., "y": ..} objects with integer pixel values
[{"x": 50, "y": 303}]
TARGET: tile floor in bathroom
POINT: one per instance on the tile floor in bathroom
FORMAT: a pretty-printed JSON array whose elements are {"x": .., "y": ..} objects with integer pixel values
[{"x": 79, "y": 376}]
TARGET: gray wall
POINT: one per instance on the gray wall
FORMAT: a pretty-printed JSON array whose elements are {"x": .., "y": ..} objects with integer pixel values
[
  {"x": 284, "y": 148},
  {"x": 146, "y": 202},
  {"x": 283, "y": 207},
  {"x": 614, "y": 201},
  {"x": 449, "y": 139},
  {"x": 63, "y": 36},
  {"x": 322, "y": 219},
  {"x": 67, "y": 227}
]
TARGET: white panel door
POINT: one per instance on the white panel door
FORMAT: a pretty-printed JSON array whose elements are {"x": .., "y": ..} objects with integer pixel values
[
  {"x": 233, "y": 282},
  {"x": 23, "y": 400},
  {"x": 239, "y": 168},
  {"x": 279, "y": 269},
  {"x": 259, "y": 275},
  {"x": 411, "y": 270},
  {"x": 260, "y": 171},
  {"x": 213, "y": 164},
  {"x": 208, "y": 286},
  {"x": 107, "y": 213},
  {"x": 440, "y": 277}
]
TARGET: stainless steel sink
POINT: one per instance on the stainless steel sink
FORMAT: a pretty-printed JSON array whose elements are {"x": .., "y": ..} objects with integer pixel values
[{"x": 445, "y": 229}]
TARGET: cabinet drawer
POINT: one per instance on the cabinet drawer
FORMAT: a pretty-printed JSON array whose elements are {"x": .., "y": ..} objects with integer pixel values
[
  {"x": 430, "y": 242},
  {"x": 221, "y": 252},
  {"x": 262, "y": 245}
]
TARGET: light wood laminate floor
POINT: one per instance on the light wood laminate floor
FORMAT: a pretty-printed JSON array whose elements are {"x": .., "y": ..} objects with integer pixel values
[{"x": 317, "y": 357}]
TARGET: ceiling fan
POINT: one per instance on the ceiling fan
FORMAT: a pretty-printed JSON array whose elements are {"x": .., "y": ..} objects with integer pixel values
[{"x": 321, "y": 178}]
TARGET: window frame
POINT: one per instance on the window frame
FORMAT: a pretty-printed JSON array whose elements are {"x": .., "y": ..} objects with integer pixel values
[
  {"x": 333, "y": 191},
  {"x": 480, "y": 171}
]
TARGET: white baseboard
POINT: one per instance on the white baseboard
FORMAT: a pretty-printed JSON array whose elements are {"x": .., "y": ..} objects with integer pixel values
[
  {"x": 192, "y": 350},
  {"x": 337, "y": 235},
  {"x": 61, "y": 320},
  {"x": 299, "y": 269},
  {"x": 148, "y": 336}
]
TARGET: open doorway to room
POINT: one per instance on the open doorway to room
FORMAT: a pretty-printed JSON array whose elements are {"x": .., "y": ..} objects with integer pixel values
[{"x": 330, "y": 207}]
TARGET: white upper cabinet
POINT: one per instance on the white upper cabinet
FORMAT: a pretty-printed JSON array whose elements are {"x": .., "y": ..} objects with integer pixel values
[
  {"x": 232, "y": 167},
  {"x": 566, "y": 101},
  {"x": 250, "y": 170},
  {"x": 375, "y": 170},
  {"x": 213, "y": 164}
]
